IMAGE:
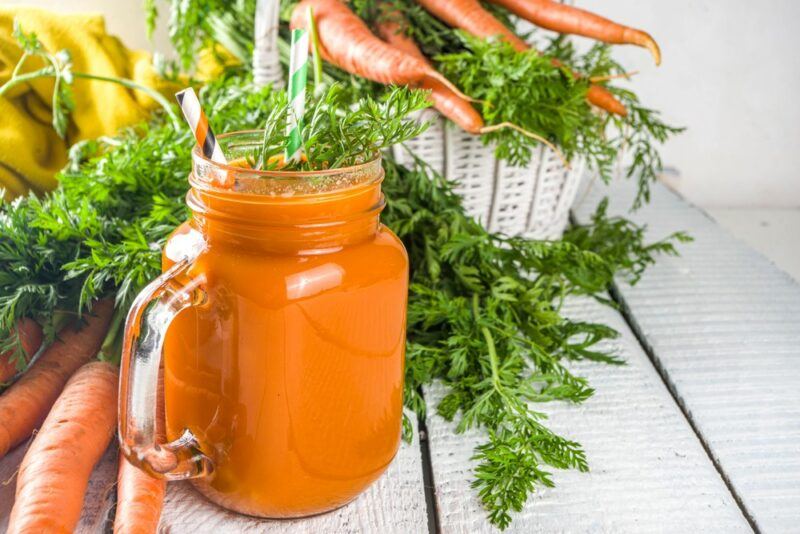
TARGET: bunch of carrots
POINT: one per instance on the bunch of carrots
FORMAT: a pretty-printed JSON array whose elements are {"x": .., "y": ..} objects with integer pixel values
[
  {"x": 393, "y": 57},
  {"x": 71, "y": 398}
]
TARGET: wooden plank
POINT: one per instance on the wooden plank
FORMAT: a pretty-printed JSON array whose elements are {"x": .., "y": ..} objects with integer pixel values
[
  {"x": 97, "y": 501},
  {"x": 394, "y": 503},
  {"x": 723, "y": 325},
  {"x": 8, "y": 483},
  {"x": 101, "y": 494},
  {"x": 649, "y": 472}
]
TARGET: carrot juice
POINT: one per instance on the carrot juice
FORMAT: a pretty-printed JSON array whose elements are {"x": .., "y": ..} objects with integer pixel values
[{"x": 289, "y": 373}]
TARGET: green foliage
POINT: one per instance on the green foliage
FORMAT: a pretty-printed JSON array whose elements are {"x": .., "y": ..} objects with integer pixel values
[
  {"x": 150, "y": 16},
  {"x": 58, "y": 66},
  {"x": 526, "y": 89},
  {"x": 510, "y": 463},
  {"x": 338, "y": 132},
  {"x": 484, "y": 315},
  {"x": 627, "y": 252},
  {"x": 636, "y": 136},
  {"x": 198, "y": 24},
  {"x": 485, "y": 319}
]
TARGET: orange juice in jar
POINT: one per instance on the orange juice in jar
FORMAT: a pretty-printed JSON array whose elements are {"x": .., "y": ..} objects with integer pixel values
[{"x": 281, "y": 318}]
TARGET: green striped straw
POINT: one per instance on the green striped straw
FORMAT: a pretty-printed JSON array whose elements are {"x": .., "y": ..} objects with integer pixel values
[{"x": 298, "y": 70}]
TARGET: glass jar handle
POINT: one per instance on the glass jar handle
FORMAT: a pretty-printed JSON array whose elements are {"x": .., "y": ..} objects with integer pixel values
[{"x": 148, "y": 320}]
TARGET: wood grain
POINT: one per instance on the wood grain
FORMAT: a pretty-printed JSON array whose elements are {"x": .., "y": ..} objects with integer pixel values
[
  {"x": 723, "y": 325},
  {"x": 395, "y": 503},
  {"x": 649, "y": 472}
]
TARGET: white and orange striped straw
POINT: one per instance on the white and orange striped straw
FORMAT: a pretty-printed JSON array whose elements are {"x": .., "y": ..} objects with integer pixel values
[{"x": 198, "y": 122}]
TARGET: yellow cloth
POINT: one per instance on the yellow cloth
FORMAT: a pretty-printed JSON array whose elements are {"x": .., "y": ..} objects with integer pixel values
[{"x": 31, "y": 153}]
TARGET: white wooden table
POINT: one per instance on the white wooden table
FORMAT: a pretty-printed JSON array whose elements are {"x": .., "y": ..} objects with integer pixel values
[{"x": 699, "y": 432}]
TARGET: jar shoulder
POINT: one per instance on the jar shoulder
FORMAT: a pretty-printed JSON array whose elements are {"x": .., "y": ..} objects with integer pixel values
[
  {"x": 385, "y": 237},
  {"x": 185, "y": 241},
  {"x": 271, "y": 281},
  {"x": 188, "y": 241}
]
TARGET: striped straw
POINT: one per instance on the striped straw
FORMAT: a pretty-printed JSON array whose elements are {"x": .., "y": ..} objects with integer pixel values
[
  {"x": 198, "y": 122},
  {"x": 298, "y": 70}
]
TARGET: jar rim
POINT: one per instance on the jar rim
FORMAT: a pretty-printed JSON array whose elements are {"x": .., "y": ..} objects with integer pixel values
[
  {"x": 228, "y": 178},
  {"x": 197, "y": 154}
]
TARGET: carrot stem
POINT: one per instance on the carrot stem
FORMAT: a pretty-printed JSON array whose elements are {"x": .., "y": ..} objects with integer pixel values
[
  {"x": 28, "y": 335},
  {"x": 608, "y": 77},
  {"x": 317, "y": 59},
  {"x": 111, "y": 341},
  {"x": 526, "y": 133}
]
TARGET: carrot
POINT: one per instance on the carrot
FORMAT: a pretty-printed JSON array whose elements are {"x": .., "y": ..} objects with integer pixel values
[
  {"x": 25, "y": 404},
  {"x": 30, "y": 338},
  {"x": 563, "y": 18},
  {"x": 470, "y": 16},
  {"x": 346, "y": 42},
  {"x": 449, "y": 104},
  {"x": 456, "y": 108},
  {"x": 392, "y": 29},
  {"x": 139, "y": 495},
  {"x": 602, "y": 98},
  {"x": 139, "y": 500},
  {"x": 55, "y": 472}
]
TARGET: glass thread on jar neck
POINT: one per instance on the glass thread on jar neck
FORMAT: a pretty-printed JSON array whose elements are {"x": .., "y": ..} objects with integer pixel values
[
  {"x": 283, "y": 211},
  {"x": 238, "y": 177}
]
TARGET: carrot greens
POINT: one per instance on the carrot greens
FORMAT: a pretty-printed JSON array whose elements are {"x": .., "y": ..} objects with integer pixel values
[
  {"x": 484, "y": 316},
  {"x": 338, "y": 132},
  {"x": 58, "y": 66},
  {"x": 484, "y": 313},
  {"x": 491, "y": 71}
]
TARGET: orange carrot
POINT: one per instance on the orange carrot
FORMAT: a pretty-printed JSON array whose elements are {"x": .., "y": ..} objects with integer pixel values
[
  {"x": 139, "y": 500},
  {"x": 470, "y": 16},
  {"x": 449, "y": 104},
  {"x": 139, "y": 495},
  {"x": 392, "y": 29},
  {"x": 55, "y": 472},
  {"x": 455, "y": 108},
  {"x": 30, "y": 338},
  {"x": 25, "y": 404},
  {"x": 602, "y": 98},
  {"x": 346, "y": 42},
  {"x": 563, "y": 18}
]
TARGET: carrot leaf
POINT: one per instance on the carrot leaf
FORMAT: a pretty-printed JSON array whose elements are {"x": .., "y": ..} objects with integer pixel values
[{"x": 339, "y": 130}]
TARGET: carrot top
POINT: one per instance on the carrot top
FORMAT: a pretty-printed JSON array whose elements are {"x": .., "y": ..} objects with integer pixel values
[
  {"x": 524, "y": 88},
  {"x": 639, "y": 133},
  {"x": 101, "y": 230},
  {"x": 339, "y": 130}
]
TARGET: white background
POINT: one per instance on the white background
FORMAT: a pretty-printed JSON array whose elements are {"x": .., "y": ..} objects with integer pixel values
[{"x": 731, "y": 74}]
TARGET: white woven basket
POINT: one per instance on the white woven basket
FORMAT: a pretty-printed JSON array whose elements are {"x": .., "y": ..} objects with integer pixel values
[{"x": 532, "y": 201}]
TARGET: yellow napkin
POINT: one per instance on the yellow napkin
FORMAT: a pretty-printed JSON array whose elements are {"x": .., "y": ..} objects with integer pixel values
[{"x": 31, "y": 153}]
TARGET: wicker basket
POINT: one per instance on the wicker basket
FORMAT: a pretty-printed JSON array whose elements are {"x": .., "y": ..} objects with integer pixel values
[{"x": 532, "y": 201}]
